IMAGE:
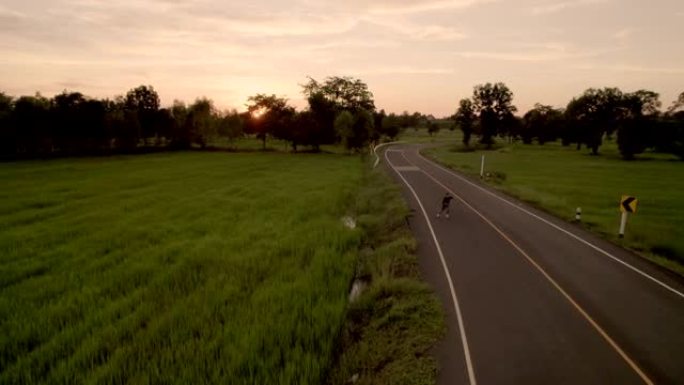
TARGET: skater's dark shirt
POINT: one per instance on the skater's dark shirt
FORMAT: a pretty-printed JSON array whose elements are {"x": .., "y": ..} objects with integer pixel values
[{"x": 446, "y": 200}]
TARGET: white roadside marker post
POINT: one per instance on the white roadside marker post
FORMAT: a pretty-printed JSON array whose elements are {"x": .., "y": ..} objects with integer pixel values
[
  {"x": 482, "y": 168},
  {"x": 578, "y": 214},
  {"x": 623, "y": 223}
]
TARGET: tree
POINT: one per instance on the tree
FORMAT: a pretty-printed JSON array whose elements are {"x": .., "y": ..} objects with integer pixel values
[
  {"x": 638, "y": 113},
  {"x": 306, "y": 130},
  {"x": 31, "y": 121},
  {"x": 201, "y": 122},
  {"x": 432, "y": 127},
  {"x": 390, "y": 126},
  {"x": 378, "y": 117},
  {"x": 465, "y": 118},
  {"x": 327, "y": 99},
  {"x": 181, "y": 135},
  {"x": 594, "y": 114},
  {"x": 542, "y": 123},
  {"x": 677, "y": 105},
  {"x": 7, "y": 131},
  {"x": 344, "y": 127},
  {"x": 143, "y": 101},
  {"x": 93, "y": 126},
  {"x": 346, "y": 93},
  {"x": 230, "y": 125},
  {"x": 670, "y": 130},
  {"x": 493, "y": 104},
  {"x": 323, "y": 111},
  {"x": 65, "y": 120},
  {"x": 362, "y": 129},
  {"x": 269, "y": 115}
]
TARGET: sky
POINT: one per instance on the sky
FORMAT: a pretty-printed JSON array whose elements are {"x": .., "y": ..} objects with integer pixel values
[{"x": 414, "y": 55}]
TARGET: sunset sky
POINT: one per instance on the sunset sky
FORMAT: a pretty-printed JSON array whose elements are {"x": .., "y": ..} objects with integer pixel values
[{"x": 413, "y": 55}]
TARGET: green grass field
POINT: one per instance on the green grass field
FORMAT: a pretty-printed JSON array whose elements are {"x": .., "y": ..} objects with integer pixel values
[
  {"x": 560, "y": 179},
  {"x": 180, "y": 268}
]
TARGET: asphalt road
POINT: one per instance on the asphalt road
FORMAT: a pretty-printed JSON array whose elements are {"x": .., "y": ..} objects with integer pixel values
[{"x": 531, "y": 299}]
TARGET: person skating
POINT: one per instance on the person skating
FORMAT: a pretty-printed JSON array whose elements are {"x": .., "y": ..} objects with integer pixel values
[{"x": 446, "y": 201}]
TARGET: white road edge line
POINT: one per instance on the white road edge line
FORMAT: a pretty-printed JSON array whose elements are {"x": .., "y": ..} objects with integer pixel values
[
  {"x": 457, "y": 308},
  {"x": 375, "y": 150},
  {"x": 553, "y": 282},
  {"x": 587, "y": 243}
]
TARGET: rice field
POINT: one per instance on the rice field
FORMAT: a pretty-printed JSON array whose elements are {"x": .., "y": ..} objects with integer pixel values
[{"x": 175, "y": 268}]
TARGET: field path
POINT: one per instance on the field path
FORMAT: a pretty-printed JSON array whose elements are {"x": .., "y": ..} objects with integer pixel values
[{"x": 531, "y": 299}]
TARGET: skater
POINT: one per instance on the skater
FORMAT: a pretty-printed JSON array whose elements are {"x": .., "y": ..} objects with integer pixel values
[{"x": 445, "y": 205}]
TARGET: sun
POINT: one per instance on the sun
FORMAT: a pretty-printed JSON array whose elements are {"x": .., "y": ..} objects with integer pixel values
[{"x": 257, "y": 114}]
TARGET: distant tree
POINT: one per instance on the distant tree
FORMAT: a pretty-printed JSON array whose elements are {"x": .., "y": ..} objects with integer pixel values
[
  {"x": 432, "y": 127},
  {"x": 493, "y": 103},
  {"x": 66, "y": 115},
  {"x": 344, "y": 127},
  {"x": 677, "y": 105},
  {"x": 230, "y": 125},
  {"x": 542, "y": 123},
  {"x": 362, "y": 129},
  {"x": 181, "y": 135},
  {"x": 269, "y": 115},
  {"x": 670, "y": 136},
  {"x": 378, "y": 131},
  {"x": 93, "y": 126},
  {"x": 31, "y": 121},
  {"x": 7, "y": 131},
  {"x": 144, "y": 102},
  {"x": 417, "y": 120},
  {"x": 637, "y": 121},
  {"x": 323, "y": 111},
  {"x": 306, "y": 130},
  {"x": 336, "y": 95},
  {"x": 594, "y": 114},
  {"x": 391, "y": 126},
  {"x": 465, "y": 118},
  {"x": 165, "y": 127},
  {"x": 285, "y": 127},
  {"x": 202, "y": 122},
  {"x": 346, "y": 93}
]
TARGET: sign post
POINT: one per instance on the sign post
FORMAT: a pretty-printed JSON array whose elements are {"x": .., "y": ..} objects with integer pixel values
[{"x": 628, "y": 204}]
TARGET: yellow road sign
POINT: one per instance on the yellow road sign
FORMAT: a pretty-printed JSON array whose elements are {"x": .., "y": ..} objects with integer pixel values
[{"x": 628, "y": 204}]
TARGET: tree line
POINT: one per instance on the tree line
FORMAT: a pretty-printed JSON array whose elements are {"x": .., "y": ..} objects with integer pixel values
[
  {"x": 340, "y": 110},
  {"x": 72, "y": 124},
  {"x": 635, "y": 118}
]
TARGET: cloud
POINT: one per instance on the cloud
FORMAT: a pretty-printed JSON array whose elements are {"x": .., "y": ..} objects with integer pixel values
[
  {"x": 413, "y": 7},
  {"x": 530, "y": 52},
  {"x": 548, "y": 8},
  {"x": 632, "y": 68},
  {"x": 418, "y": 32},
  {"x": 622, "y": 34},
  {"x": 399, "y": 70},
  {"x": 351, "y": 43}
]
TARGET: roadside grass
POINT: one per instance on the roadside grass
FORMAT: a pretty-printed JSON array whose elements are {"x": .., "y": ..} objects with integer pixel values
[
  {"x": 422, "y": 135},
  {"x": 175, "y": 268},
  {"x": 396, "y": 320},
  {"x": 560, "y": 179},
  {"x": 249, "y": 143}
]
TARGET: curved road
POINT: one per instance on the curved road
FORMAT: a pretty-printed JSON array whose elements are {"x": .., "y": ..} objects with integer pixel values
[{"x": 531, "y": 299}]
